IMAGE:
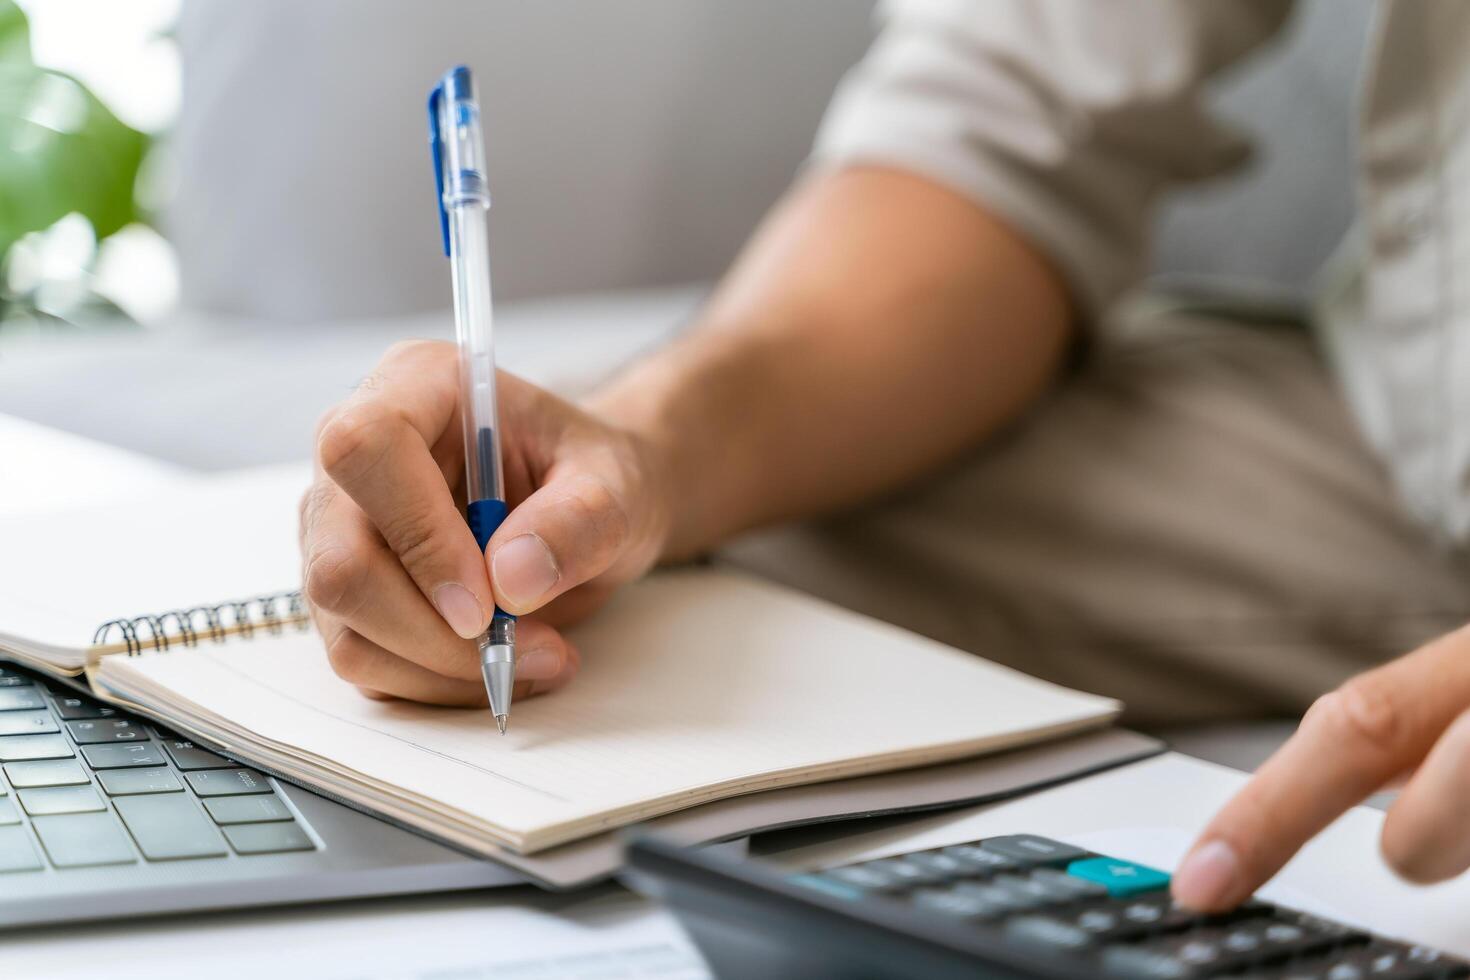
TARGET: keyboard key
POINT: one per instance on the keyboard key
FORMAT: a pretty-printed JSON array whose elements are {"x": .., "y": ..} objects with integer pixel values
[
  {"x": 162, "y": 732},
  {"x": 122, "y": 756},
  {"x": 1121, "y": 878},
  {"x": 247, "y": 809},
  {"x": 130, "y": 782},
  {"x": 71, "y": 707},
  {"x": 77, "y": 840},
  {"x": 27, "y": 723},
  {"x": 50, "y": 772},
  {"x": 15, "y": 748},
  {"x": 13, "y": 680},
  {"x": 227, "y": 782},
  {"x": 21, "y": 698},
  {"x": 1030, "y": 849},
  {"x": 60, "y": 799},
  {"x": 8, "y": 812},
  {"x": 188, "y": 756},
  {"x": 16, "y": 851},
  {"x": 168, "y": 827},
  {"x": 268, "y": 838},
  {"x": 94, "y": 730}
]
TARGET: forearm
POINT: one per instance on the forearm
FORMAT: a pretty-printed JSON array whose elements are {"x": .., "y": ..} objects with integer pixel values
[{"x": 876, "y": 326}]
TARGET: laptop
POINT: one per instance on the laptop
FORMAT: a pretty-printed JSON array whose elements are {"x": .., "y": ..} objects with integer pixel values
[{"x": 105, "y": 815}]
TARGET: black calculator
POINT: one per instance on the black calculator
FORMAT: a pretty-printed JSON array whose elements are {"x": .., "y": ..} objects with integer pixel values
[{"x": 1019, "y": 907}]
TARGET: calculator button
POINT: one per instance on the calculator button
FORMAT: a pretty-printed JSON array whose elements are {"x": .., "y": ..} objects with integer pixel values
[
  {"x": 16, "y": 748},
  {"x": 827, "y": 886},
  {"x": 903, "y": 871},
  {"x": 114, "y": 756},
  {"x": 71, "y": 707},
  {"x": 169, "y": 826},
  {"x": 1066, "y": 887},
  {"x": 8, "y": 812},
  {"x": 939, "y": 863},
  {"x": 21, "y": 698},
  {"x": 866, "y": 877},
  {"x": 980, "y": 860},
  {"x": 268, "y": 838},
  {"x": 77, "y": 840},
  {"x": 1121, "y": 878},
  {"x": 46, "y": 772},
  {"x": 1008, "y": 899},
  {"x": 95, "y": 730},
  {"x": 16, "y": 851},
  {"x": 247, "y": 809},
  {"x": 27, "y": 723},
  {"x": 964, "y": 905},
  {"x": 188, "y": 756},
  {"x": 1030, "y": 849},
  {"x": 1044, "y": 931},
  {"x": 1136, "y": 963},
  {"x": 131, "y": 782}
]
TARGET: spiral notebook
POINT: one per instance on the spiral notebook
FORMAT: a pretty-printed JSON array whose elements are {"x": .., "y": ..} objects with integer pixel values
[{"x": 697, "y": 685}]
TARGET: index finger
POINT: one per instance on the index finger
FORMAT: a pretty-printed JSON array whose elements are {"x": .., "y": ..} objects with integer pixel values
[{"x": 1349, "y": 744}]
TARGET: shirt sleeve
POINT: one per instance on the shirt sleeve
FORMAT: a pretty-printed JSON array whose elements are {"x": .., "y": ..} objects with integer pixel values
[{"x": 1063, "y": 117}]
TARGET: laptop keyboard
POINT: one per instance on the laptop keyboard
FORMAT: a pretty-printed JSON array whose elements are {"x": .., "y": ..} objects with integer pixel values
[{"x": 88, "y": 785}]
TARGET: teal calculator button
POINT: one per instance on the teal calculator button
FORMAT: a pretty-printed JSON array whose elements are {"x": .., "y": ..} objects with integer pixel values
[
  {"x": 826, "y": 885},
  {"x": 1119, "y": 877}
]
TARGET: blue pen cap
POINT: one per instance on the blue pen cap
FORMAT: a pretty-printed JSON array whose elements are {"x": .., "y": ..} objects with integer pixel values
[{"x": 457, "y": 146}]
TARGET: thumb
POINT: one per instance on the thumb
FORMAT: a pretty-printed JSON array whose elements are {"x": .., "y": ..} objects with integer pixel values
[{"x": 569, "y": 531}]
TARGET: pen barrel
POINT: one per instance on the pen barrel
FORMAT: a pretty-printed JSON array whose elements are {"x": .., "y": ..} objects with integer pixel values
[{"x": 474, "y": 325}]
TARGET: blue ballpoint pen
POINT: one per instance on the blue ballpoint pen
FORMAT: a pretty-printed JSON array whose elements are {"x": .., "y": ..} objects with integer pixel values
[{"x": 464, "y": 198}]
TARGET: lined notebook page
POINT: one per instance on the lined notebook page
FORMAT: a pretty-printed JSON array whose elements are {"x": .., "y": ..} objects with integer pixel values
[{"x": 695, "y": 685}]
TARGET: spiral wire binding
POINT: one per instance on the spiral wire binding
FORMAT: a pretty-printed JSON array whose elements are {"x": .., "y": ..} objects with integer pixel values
[{"x": 189, "y": 627}]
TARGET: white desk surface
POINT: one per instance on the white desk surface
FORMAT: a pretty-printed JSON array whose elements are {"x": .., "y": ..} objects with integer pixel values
[{"x": 1146, "y": 812}]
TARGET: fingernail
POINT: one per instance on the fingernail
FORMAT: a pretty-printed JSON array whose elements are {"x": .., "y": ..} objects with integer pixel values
[
  {"x": 524, "y": 571},
  {"x": 460, "y": 609},
  {"x": 537, "y": 665},
  {"x": 1207, "y": 876}
]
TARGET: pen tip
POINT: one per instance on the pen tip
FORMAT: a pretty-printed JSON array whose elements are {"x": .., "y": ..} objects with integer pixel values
[{"x": 500, "y": 723}]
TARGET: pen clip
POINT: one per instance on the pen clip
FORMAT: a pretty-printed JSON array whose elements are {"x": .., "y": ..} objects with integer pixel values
[{"x": 436, "y": 150}]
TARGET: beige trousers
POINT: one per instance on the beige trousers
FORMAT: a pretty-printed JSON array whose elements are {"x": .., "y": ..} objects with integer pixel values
[{"x": 1191, "y": 523}]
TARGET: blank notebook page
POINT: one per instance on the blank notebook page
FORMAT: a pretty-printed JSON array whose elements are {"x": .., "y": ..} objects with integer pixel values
[
  {"x": 694, "y": 685},
  {"x": 200, "y": 540}
]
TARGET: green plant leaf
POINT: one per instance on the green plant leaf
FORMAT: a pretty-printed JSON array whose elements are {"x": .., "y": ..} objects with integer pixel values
[{"x": 61, "y": 150}]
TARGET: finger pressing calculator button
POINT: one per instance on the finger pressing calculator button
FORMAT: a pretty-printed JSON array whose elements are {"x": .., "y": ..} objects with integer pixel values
[
  {"x": 1030, "y": 849},
  {"x": 46, "y": 772},
  {"x": 113, "y": 756},
  {"x": 95, "y": 730},
  {"x": 16, "y": 748},
  {"x": 227, "y": 782},
  {"x": 1119, "y": 877},
  {"x": 188, "y": 756},
  {"x": 268, "y": 838}
]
